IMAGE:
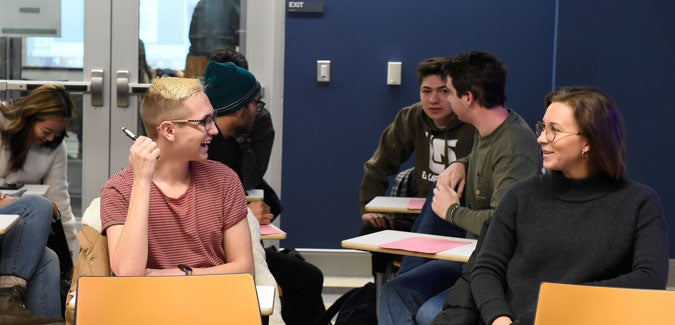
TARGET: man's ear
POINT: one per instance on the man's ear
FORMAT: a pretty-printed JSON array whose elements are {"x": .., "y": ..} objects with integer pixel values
[
  {"x": 167, "y": 131},
  {"x": 468, "y": 98}
]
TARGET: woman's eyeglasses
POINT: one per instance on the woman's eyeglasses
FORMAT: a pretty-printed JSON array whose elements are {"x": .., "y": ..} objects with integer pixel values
[{"x": 551, "y": 131}]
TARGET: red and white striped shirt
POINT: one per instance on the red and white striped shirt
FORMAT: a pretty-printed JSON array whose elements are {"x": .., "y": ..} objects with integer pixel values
[{"x": 184, "y": 230}]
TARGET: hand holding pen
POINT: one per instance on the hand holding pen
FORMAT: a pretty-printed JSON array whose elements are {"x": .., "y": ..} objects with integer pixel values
[{"x": 143, "y": 154}]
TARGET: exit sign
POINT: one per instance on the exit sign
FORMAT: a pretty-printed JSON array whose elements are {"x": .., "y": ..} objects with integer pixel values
[{"x": 305, "y": 6}]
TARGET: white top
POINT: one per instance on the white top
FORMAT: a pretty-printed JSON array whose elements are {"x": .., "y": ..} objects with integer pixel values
[{"x": 49, "y": 167}]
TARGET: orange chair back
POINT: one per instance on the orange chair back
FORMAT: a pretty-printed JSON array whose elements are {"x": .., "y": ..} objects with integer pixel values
[
  {"x": 586, "y": 305},
  {"x": 199, "y": 299}
]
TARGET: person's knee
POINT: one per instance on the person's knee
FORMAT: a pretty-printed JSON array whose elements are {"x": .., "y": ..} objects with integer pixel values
[
  {"x": 432, "y": 307},
  {"x": 39, "y": 204}
]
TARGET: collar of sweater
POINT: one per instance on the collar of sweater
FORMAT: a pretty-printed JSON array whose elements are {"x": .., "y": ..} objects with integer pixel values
[{"x": 577, "y": 190}]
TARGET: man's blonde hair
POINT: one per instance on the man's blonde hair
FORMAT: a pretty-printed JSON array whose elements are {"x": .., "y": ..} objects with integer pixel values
[{"x": 164, "y": 101}]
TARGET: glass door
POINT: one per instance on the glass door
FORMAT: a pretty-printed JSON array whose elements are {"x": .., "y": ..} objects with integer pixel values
[
  {"x": 71, "y": 55},
  {"x": 105, "y": 54}
]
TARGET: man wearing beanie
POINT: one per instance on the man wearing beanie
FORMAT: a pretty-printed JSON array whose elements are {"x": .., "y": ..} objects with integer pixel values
[{"x": 245, "y": 142}]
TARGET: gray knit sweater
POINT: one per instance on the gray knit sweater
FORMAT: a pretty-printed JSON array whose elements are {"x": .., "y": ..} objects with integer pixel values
[{"x": 549, "y": 228}]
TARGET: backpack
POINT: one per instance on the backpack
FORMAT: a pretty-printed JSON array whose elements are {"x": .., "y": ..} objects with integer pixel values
[{"x": 356, "y": 307}]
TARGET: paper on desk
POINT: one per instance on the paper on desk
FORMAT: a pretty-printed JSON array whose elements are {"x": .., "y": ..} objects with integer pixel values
[
  {"x": 416, "y": 204},
  {"x": 270, "y": 230},
  {"x": 424, "y": 244}
]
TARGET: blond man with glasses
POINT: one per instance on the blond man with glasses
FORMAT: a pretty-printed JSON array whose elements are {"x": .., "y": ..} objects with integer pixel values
[{"x": 169, "y": 216}]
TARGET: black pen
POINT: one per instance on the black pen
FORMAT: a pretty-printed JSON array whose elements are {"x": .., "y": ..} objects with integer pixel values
[
  {"x": 128, "y": 133},
  {"x": 131, "y": 135}
]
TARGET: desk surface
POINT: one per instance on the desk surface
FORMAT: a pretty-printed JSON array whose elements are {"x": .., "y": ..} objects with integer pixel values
[
  {"x": 266, "y": 299},
  {"x": 391, "y": 204},
  {"x": 370, "y": 243},
  {"x": 255, "y": 195},
  {"x": 7, "y": 221},
  {"x": 271, "y": 232},
  {"x": 39, "y": 189}
]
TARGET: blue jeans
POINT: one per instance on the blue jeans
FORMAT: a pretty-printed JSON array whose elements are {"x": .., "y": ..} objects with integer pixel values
[
  {"x": 431, "y": 308},
  {"x": 402, "y": 297},
  {"x": 421, "y": 284},
  {"x": 428, "y": 222},
  {"x": 25, "y": 254}
]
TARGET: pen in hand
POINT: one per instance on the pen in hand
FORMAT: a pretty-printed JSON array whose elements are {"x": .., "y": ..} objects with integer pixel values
[
  {"x": 131, "y": 135},
  {"x": 128, "y": 133}
]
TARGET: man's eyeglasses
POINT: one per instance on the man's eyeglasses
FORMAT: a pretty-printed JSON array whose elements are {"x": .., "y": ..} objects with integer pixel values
[
  {"x": 259, "y": 104},
  {"x": 207, "y": 122},
  {"x": 551, "y": 131}
]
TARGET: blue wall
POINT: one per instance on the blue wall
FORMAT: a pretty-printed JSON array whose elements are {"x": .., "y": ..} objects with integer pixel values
[
  {"x": 331, "y": 129},
  {"x": 628, "y": 49}
]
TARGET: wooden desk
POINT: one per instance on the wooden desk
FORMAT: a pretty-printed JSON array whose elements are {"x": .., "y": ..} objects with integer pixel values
[
  {"x": 266, "y": 299},
  {"x": 7, "y": 221},
  {"x": 370, "y": 243},
  {"x": 39, "y": 189},
  {"x": 271, "y": 232},
  {"x": 391, "y": 204},
  {"x": 254, "y": 195}
]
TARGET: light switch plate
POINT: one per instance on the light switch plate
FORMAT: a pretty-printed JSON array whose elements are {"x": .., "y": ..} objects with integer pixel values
[
  {"x": 394, "y": 73},
  {"x": 322, "y": 70}
]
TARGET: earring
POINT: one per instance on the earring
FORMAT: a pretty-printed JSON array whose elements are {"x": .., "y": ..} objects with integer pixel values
[{"x": 584, "y": 154}]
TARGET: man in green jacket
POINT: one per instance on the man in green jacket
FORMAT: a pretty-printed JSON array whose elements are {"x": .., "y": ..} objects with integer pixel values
[{"x": 429, "y": 129}]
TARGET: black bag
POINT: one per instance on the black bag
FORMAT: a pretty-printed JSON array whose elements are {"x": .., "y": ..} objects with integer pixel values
[
  {"x": 356, "y": 307},
  {"x": 58, "y": 243}
]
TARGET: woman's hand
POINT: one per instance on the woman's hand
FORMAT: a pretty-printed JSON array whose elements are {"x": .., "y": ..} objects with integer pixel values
[{"x": 502, "y": 320}]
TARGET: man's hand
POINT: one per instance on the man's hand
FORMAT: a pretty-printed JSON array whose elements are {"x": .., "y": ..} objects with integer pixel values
[
  {"x": 378, "y": 220},
  {"x": 455, "y": 177},
  {"x": 261, "y": 212},
  {"x": 143, "y": 157},
  {"x": 444, "y": 197}
]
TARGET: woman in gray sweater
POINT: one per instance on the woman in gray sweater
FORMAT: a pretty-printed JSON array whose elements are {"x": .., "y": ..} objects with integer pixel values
[{"x": 582, "y": 222}]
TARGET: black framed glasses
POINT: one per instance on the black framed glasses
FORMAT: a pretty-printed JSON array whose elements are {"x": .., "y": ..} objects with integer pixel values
[
  {"x": 551, "y": 131},
  {"x": 259, "y": 105},
  {"x": 207, "y": 122}
]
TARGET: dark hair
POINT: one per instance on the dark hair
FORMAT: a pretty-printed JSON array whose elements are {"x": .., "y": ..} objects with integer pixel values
[
  {"x": 480, "y": 73},
  {"x": 43, "y": 103},
  {"x": 229, "y": 55},
  {"x": 431, "y": 66},
  {"x": 600, "y": 121}
]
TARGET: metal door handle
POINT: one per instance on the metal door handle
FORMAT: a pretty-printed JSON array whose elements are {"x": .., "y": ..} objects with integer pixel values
[
  {"x": 96, "y": 87},
  {"x": 122, "y": 84}
]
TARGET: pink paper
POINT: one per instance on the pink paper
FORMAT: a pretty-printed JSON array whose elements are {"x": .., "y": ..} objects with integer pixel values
[
  {"x": 270, "y": 230},
  {"x": 424, "y": 244},
  {"x": 416, "y": 204}
]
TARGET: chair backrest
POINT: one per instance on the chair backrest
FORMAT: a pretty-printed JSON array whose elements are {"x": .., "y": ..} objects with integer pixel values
[
  {"x": 581, "y": 305},
  {"x": 198, "y": 299}
]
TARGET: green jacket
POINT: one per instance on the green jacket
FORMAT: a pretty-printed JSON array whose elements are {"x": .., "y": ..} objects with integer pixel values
[
  {"x": 509, "y": 154},
  {"x": 414, "y": 132}
]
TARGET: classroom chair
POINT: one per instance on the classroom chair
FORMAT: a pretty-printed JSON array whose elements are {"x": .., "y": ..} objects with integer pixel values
[
  {"x": 197, "y": 299},
  {"x": 585, "y": 305}
]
